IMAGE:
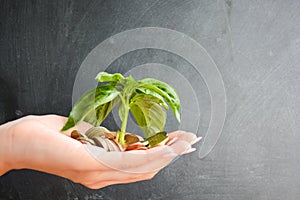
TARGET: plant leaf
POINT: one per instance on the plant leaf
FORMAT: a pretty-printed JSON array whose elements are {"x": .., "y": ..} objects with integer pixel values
[
  {"x": 126, "y": 85},
  {"x": 158, "y": 138},
  {"x": 106, "y": 77},
  {"x": 89, "y": 102},
  {"x": 149, "y": 115},
  {"x": 164, "y": 90},
  {"x": 101, "y": 112},
  {"x": 153, "y": 96}
]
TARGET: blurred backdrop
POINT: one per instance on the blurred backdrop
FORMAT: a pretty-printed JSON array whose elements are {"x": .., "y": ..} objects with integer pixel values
[{"x": 255, "y": 46}]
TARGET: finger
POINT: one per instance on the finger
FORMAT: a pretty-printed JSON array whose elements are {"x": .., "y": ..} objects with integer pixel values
[
  {"x": 153, "y": 150},
  {"x": 196, "y": 140},
  {"x": 183, "y": 135},
  {"x": 181, "y": 146},
  {"x": 171, "y": 140},
  {"x": 190, "y": 150},
  {"x": 95, "y": 177},
  {"x": 153, "y": 166},
  {"x": 156, "y": 165},
  {"x": 117, "y": 177},
  {"x": 102, "y": 184},
  {"x": 129, "y": 160}
]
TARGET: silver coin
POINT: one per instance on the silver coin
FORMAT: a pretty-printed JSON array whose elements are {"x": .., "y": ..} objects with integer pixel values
[
  {"x": 100, "y": 141},
  {"x": 112, "y": 145},
  {"x": 96, "y": 131}
]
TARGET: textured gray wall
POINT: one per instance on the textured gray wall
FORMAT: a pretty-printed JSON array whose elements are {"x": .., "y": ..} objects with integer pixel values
[{"x": 255, "y": 44}]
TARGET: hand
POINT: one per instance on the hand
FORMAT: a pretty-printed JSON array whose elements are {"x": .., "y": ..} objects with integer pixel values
[{"x": 35, "y": 142}]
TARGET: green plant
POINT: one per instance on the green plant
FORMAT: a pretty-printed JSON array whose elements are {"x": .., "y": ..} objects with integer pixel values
[{"x": 146, "y": 99}]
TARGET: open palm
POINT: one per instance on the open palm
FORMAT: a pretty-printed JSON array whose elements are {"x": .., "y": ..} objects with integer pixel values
[{"x": 35, "y": 142}]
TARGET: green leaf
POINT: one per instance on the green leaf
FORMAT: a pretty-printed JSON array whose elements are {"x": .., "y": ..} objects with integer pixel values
[
  {"x": 157, "y": 138},
  {"x": 152, "y": 96},
  {"x": 126, "y": 86},
  {"x": 69, "y": 124},
  {"x": 89, "y": 102},
  {"x": 164, "y": 90},
  {"x": 101, "y": 112},
  {"x": 149, "y": 115},
  {"x": 106, "y": 77}
]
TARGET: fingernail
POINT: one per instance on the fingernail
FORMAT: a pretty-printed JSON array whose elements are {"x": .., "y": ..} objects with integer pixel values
[
  {"x": 170, "y": 155},
  {"x": 191, "y": 150},
  {"x": 196, "y": 140},
  {"x": 172, "y": 141}
]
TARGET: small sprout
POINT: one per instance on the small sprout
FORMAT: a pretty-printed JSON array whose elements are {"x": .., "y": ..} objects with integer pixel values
[{"x": 146, "y": 99}]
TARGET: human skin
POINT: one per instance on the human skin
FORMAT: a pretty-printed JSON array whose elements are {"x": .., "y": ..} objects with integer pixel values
[{"x": 35, "y": 142}]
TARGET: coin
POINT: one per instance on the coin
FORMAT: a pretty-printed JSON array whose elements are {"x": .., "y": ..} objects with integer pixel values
[
  {"x": 75, "y": 134},
  {"x": 100, "y": 142},
  {"x": 131, "y": 138}
]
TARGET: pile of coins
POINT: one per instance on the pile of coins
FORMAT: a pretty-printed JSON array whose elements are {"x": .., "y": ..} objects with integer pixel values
[{"x": 107, "y": 140}]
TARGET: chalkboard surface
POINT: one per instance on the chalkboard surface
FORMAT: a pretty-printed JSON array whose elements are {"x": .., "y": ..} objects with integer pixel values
[{"x": 254, "y": 44}]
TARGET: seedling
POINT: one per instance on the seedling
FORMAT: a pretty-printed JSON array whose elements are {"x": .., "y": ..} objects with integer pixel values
[{"x": 146, "y": 99}]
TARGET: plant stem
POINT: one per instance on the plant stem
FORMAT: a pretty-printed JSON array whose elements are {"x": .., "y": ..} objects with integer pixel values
[
  {"x": 121, "y": 138},
  {"x": 123, "y": 127}
]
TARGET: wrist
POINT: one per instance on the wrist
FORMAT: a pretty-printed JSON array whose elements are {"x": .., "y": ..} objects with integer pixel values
[
  {"x": 5, "y": 162},
  {"x": 11, "y": 149}
]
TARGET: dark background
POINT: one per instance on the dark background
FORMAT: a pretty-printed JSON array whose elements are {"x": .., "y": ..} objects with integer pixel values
[{"x": 255, "y": 44}]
